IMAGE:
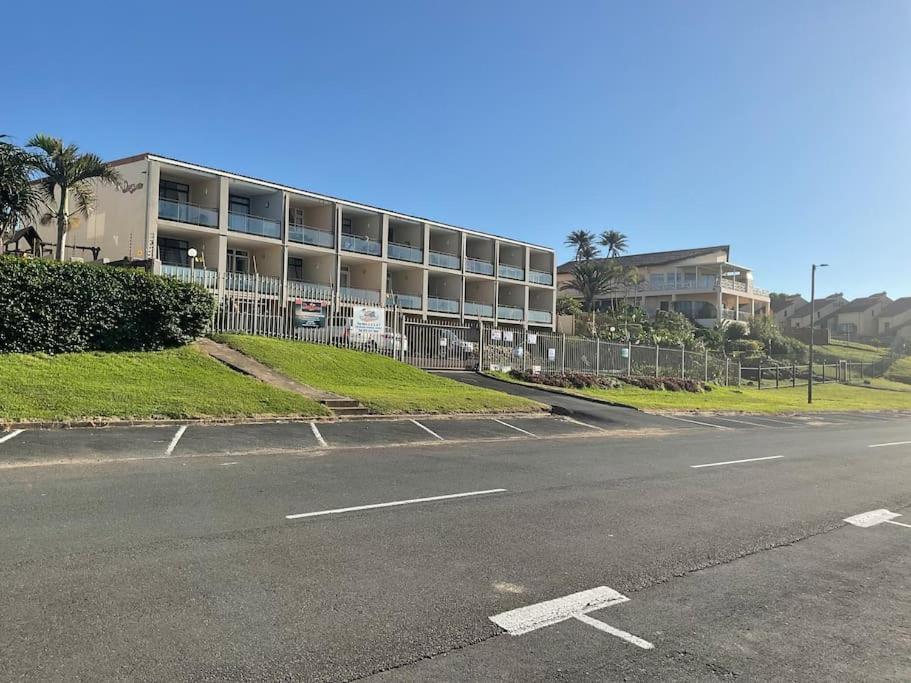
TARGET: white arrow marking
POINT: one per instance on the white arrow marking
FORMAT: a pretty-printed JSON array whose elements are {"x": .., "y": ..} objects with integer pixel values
[
  {"x": 601, "y": 626},
  {"x": 874, "y": 517}
]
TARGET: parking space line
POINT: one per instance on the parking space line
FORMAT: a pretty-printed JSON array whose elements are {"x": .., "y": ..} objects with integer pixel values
[
  {"x": 518, "y": 429},
  {"x": 584, "y": 424},
  {"x": 601, "y": 626},
  {"x": 893, "y": 443},
  {"x": 769, "y": 419},
  {"x": 395, "y": 503},
  {"x": 428, "y": 430},
  {"x": 175, "y": 440},
  {"x": 696, "y": 422},
  {"x": 737, "y": 462},
  {"x": 743, "y": 422},
  {"x": 12, "y": 435},
  {"x": 319, "y": 437}
]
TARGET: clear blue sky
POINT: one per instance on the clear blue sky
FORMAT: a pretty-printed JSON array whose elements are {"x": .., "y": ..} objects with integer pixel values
[{"x": 782, "y": 128}]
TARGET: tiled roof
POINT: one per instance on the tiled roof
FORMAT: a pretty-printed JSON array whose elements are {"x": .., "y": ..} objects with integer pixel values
[
  {"x": 804, "y": 310},
  {"x": 897, "y": 307},
  {"x": 655, "y": 258},
  {"x": 863, "y": 303}
]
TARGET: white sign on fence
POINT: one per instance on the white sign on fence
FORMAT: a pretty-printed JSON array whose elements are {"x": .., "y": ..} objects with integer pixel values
[
  {"x": 507, "y": 335},
  {"x": 443, "y": 341},
  {"x": 536, "y": 369},
  {"x": 551, "y": 354},
  {"x": 496, "y": 335},
  {"x": 532, "y": 338},
  {"x": 368, "y": 319}
]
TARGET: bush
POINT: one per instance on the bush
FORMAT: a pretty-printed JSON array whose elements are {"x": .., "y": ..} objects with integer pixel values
[
  {"x": 65, "y": 307},
  {"x": 584, "y": 381}
]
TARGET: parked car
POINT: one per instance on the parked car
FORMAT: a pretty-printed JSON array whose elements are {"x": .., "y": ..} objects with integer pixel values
[
  {"x": 388, "y": 340},
  {"x": 441, "y": 341}
]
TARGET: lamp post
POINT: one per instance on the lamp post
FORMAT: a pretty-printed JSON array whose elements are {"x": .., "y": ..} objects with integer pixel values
[{"x": 812, "y": 327}]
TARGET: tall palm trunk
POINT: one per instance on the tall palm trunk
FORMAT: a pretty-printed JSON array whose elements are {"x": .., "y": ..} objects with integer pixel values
[{"x": 62, "y": 225}]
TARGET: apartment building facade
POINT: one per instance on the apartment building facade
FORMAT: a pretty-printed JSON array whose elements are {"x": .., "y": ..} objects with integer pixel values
[
  {"x": 221, "y": 227},
  {"x": 701, "y": 283},
  {"x": 895, "y": 319}
]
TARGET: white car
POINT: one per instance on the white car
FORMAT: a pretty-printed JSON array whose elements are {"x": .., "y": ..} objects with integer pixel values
[{"x": 388, "y": 340}]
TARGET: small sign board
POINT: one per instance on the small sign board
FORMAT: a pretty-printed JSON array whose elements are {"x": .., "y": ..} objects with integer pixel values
[
  {"x": 518, "y": 352},
  {"x": 443, "y": 341},
  {"x": 309, "y": 314},
  {"x": 551, "y": 354},
  {"x": 367, "y": 319},
  {"x": 624, "y": 353},
  {"x": 496, "y": 335},
  {"x": 532, "y": 338},
  {"x": 494, "y": 367},
  {"x": 507, "y": 335},
  {"x": 536, "y": 369},
  {"x": 469, "y": 347}
]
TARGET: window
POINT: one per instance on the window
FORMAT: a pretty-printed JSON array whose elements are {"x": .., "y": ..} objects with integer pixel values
[
  {"x": 173, "y": 252},
  {"x": 295, "y": 268},
  {"x": 297, "y": 216},
  {"x": 238, "y": 204},
  {"x": 238, "y": 261},
  {"x": 176, "y": 192},
  {"x": 346, "y": 225},
  {"x": 656, "y": 280},
  {"x": 664, "y": 305}
]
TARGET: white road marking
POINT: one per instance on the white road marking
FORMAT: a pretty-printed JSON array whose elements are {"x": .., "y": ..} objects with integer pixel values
[
  {"x": 173, "y": 444},
  {"x": 696, "y": 422},
  {"x": 429, "y": 430},
  {"x": 893, "y": 443},
  {"x": 12, "y": 435},
  {"x": 525, "y": 619},
  {"x": 225, "y": 464},
  {"x": 867, "y": 519},
  {"x": 769, "y": 419},
  {"x": 394, "y": 503},
  {"x": 580, "y": 422},
  {"x": 576, "y": 606},
  {"x": 737, "y": 462},
  {"x": 518, "y": 429},
  {"x": 319, "y": 437},
  {"x": 743, "y": 422},
  {"x": 889, "y": 521},
  {"x": 601, "y": 626}
]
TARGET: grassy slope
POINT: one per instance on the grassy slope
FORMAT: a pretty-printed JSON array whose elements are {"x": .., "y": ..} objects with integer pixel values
[
  {"x": 851, "y": 351},
  {"x": 900, "y": 371},
  {"x": 177, "y": 383},
  {"x": 829, "y": 397},
  {"x": 382, "y": 384}
]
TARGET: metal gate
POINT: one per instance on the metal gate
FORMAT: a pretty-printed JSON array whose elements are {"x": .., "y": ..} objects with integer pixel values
[{"x": 435, "y": 346}]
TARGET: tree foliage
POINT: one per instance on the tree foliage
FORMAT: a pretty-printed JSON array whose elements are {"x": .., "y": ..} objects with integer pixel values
[{"x": 18, "y": 196}]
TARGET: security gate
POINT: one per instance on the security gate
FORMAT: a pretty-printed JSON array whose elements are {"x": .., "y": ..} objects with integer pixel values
[{"x": 435, "y": 346}]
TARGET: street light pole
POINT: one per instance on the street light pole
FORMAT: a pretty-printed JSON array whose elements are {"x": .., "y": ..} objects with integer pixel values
[{"x": 812, "y": 327}]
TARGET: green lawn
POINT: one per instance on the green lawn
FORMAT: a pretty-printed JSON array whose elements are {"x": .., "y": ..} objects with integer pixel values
[
  {"x": 382, "y": 384},
  {"x": 853, "y": 352},
  {"x": 178, "y": 383},
  {"x": 900, "y": 371},
  {"x": 828, "y": 397}
]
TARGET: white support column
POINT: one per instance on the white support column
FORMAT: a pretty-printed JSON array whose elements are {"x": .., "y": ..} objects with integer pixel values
[
  {"x": 737, "y": 306},
  {"x": 153, "y": 178},
  {"x": 223, "y": 191},
  {"x": 384, "y": 236},
  {"x": 525, "y": 315}
]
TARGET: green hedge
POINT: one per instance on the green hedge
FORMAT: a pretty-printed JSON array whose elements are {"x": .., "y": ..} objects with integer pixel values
[{"x": 64, "y": 307}]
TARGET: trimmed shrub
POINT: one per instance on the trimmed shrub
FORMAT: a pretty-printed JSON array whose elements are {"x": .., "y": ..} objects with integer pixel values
[
  {"x": 584, "y": 381},
  {"x": 64, "y": 307}
]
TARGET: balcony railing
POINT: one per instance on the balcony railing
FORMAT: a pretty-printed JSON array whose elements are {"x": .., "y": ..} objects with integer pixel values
[
  {"x": 732, "y": 285},
  {"x": 511, "y": 272},
  {"x": 184, "y": 212},
  {"x": 254, "y": 225},
  {"x": 510, "y": 312},
  {"x": 207, "y": 277},
  {"x": 362, "y": 245},
  {"x": 353, "y": 293},
  {"x": 304, "y": 234},
  {"x": 309, "y": 290},
  {"x": 539, "y": 277},
  {"x": 441, "y": 305},
  {"x": 444, "y": 260},
  {"x": 404, "y": 252},
  {"x": 481, "y": 310},
  {"x": 728, "y": 314},
  {"x": 476, "y": 265},
  {"x": 539, "y": 316},
  {"x": 410, "y": 301},
  {"x": 246, "y": 282}
]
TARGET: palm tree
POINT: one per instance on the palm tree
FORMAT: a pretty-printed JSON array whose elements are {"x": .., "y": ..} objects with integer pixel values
[
  {"x": 18, "y": 197},
  {"x": 614, "y": 241},
  {"x": 591, "y": 279},
  {"x": 66, "y": 169},
  {"x": 583, "y": 241}
]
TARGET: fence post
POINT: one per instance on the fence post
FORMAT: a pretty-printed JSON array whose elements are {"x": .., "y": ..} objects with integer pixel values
[
  {"x": 706, "y": 366},
  {"x": 777, "y": 376},
  {"x": 657, "y": 360},
  {"x": 255, "y": 301},
  {"x": 597, "y": 355},
  {"x": 760, "y": 374},
  {"x": 629, "y": 358},
  {"x": 823, "y": 373},
  {"x": 480, "y": 344},
  {"x": 793, "y": 373},
  {"x": 563, "y": 356},
  {"x": 727, "y": 371},
  {"x": 682, "y": 362}
]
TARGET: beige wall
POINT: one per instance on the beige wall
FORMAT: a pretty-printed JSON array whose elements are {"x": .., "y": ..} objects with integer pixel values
[{"x": 894, "y": 321}]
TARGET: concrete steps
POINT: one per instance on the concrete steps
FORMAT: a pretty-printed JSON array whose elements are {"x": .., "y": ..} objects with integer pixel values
[{"x": 344, "y": 407}]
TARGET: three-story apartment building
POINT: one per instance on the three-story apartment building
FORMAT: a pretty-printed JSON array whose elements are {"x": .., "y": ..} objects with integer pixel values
[{"x": 302, "y": 242}]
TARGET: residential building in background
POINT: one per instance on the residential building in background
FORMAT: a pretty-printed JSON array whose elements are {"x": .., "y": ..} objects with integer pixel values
[
  {"x": 895, "y": 319},
  {"x": 703, "y": 284},
  {"x": 823, "y": 307},
  {"x": 786, "y": 308},
  {"x": 307, "y": 244},
  {"x": 858, "y": 317}
]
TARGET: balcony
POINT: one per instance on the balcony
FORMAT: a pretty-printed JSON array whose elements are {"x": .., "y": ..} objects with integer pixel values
[
  {"x": 409, "y": 301},
  {"x": 207, "y": 277},
  {"x": 510, "y": 313},
  {"x": 309, "y": 290},
  {"x": 511, "y": 272},
  {"x": 354, "y": 294},
  {"x": 540, "y": 277},
  {"x": 184, "y": 212},
  {"x": 361, "y": 245},
  {"x": 728, "y": 314},
  {"x": 254, "y": 225},
  {"x": 732, "y": 285},
  {"x": 442, "y": 305},
  {"x": 304, "y": 234},
  {"x": 404, "y": 252},
  {"x": 246, "y": 282},
  {"x": 476, "y": 265},
  {"x": 539, "y": 316},
  {"x": 480, "y": 310},
  {"x": 444, "y": 260}
]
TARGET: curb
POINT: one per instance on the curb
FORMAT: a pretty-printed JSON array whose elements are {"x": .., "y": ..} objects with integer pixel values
[{"x": 562, "y": 392}]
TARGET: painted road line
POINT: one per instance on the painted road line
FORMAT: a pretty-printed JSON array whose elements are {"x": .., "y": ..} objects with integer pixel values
[
  {"x": 518, "y": 429},
  {"x": 175, "y": 440},
  {"x": 429, "y": 430},
  {"x": 893, "y": 443},
  {"x": 319, "y": 437},
  {"x": 889, "y": 521},
  {"x": 696, "y": 422},
  {"x": 12, "y": 435},
  {"x": 526, "y": 619},
  {"x": 742, "y": 422},
  {"x": 576, "y": 606},
  {"x": 737, "y": 462},
  {"x": 395, "y": 503},
  {"x": 583, "y": 424},
  {"x": 769, "y": 419},
  {"x": 601, "y": 626},
  {"x": 882, "y": 516}
]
